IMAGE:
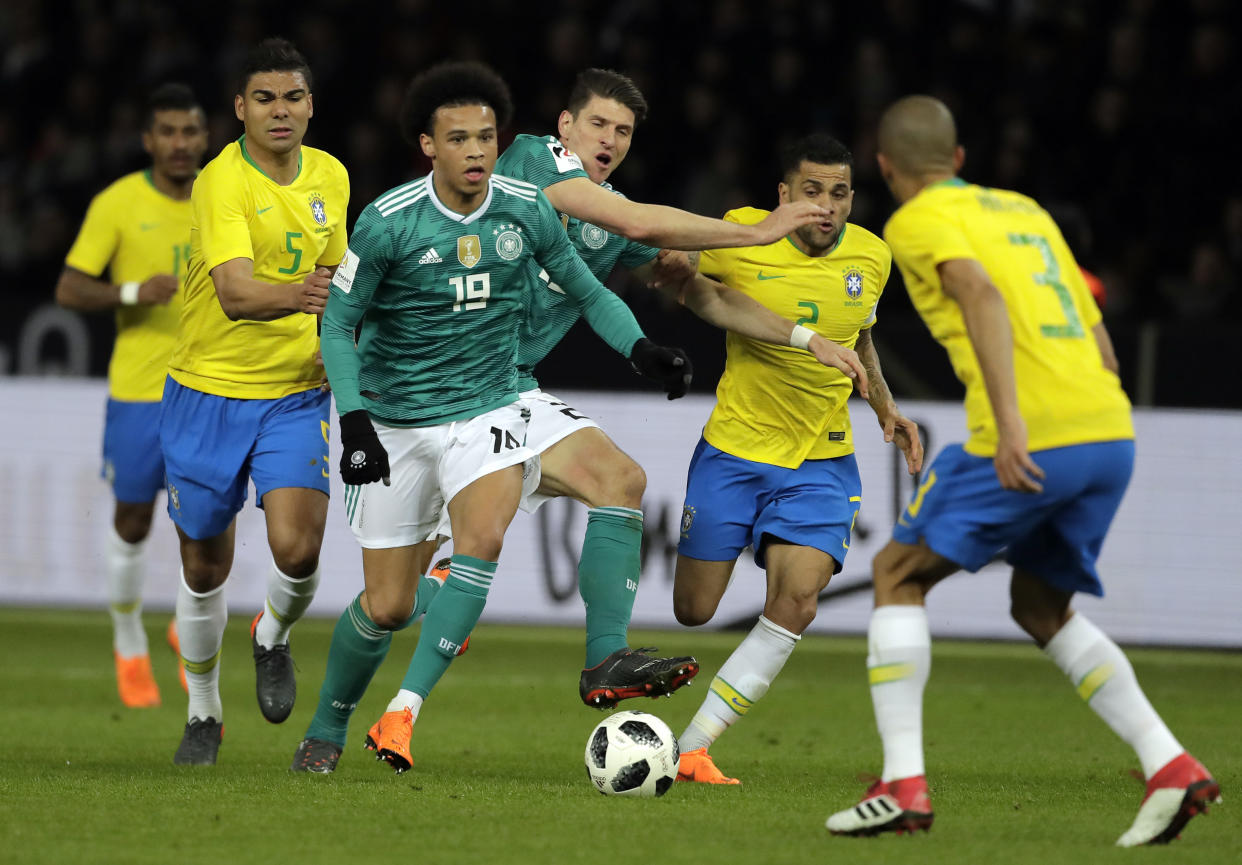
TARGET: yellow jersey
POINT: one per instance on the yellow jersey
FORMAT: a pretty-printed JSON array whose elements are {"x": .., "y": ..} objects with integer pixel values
[
  {"x": 287, "y": 231},
  {"x": 134, "y": 231},
  {"x": 1065, "y": 394},
  {"x": 776, "y": 404}
]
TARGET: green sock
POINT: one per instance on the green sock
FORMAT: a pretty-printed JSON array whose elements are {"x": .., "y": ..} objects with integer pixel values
[
  {"x": 428, "y": 588},
  {"x": 449, "y": 622},
  {"x": 358, "y": 648},
  {"x": 608, "y": 578}
]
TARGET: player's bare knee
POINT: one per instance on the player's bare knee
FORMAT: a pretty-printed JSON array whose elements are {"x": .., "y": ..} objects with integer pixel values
[
  {"x": 619, "y": 482},
  {"x": 132, "y": 528},
  {"x": 202, "y": 575},
  {"x": 390, "y": 616},
  {"x": 296, "y": 556},
  {"x": 691, "y": 611},
  {"x": 793, "y": 612}
]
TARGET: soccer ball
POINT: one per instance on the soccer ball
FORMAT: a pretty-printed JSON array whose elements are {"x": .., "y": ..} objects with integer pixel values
[{"x": 632, "y": 754}]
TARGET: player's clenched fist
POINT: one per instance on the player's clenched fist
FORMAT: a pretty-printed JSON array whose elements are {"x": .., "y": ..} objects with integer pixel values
[
  {"x": 312, "y": 291},
  {"x": 363, "y": 458},
  {"x": 158, "y": 289}
]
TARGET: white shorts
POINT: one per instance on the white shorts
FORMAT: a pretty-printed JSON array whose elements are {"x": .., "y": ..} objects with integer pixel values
[
  {"x": 428, "y": 467},
  {"x": 550, "y": 421}
]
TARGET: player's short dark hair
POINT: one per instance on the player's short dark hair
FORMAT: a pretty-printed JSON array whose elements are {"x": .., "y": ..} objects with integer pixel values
[
  {"x": 818, "y": 147},
  {"x": 449, "y": 85},
  {"x": 273, "y": 55},
  {"x": 607, "y": 84},
  {"x": 172, "y": 96}
]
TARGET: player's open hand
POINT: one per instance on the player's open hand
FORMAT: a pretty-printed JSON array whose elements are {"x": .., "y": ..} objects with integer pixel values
[
  {"x": 312, "y": 291},
  {"x": 159, "y": 289},
  {"x": 904, "y": 433},
  {"x": 787, "y": 217},
  {"x": 845, "y": 359},
  {"x": 1014, "y": 467}
]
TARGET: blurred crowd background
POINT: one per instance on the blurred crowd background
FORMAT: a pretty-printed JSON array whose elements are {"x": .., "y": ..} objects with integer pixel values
[{"x": 1115, "y": 114}]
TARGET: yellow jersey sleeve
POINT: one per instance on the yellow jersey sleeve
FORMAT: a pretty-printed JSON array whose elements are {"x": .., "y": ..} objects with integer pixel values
[
  {"x": 133, "y": 231},
  {"x": 776, "y": 404},
  {"x": 286, "y": 231},
  {"x": 1065, "y": 395}
]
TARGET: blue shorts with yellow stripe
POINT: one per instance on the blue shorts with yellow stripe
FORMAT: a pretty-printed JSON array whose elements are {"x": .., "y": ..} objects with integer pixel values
[
  {"x": 732, "y": 503},
  {"x": 132, "y": 460},
  {"x": 962, "y": 512},
  {"x": 213, "y": 445}
]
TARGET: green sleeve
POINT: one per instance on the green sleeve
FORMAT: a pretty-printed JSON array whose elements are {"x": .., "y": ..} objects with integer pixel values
[
  {"x": 606, "y": 313},
  {"x": 363, "y": 267},
  {"x": 543, "y": 161}
]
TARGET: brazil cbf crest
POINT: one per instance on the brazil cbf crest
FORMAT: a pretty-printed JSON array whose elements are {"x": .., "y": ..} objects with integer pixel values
[
  {"x": 469, "y": 250},
  {"x": 508, "y": 241},
  {"x": 853, "y": 283},
  {"x": 687, "y": 519},
  {"x": 317, "y": 209}
]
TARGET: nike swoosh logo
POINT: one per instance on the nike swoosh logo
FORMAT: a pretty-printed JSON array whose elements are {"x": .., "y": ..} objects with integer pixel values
[
  {"x": 263, "y": 210},
  {"x": 770, "y": 276}
]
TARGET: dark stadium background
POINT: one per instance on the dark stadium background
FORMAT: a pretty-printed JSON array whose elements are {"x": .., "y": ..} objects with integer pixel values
[{"x": 1118, "y": 116}]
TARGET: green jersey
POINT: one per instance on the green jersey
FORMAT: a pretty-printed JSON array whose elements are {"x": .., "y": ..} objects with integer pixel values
[
  {"x": 438, "y": 298},
  {"x": 544, "y": 161}
]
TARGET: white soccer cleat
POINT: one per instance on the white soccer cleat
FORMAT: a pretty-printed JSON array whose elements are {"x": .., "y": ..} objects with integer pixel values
[
  {"x": 1180, "y": 790},
  {"x": 900, "y": 806}
]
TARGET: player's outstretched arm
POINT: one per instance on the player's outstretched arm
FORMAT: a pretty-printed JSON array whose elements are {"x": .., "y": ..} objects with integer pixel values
[
  {"x": 898, "y": 428},
  {"x": 669, "y": 227},
  {"x": 244, "y": 297},
  {"x": 987, "y": 325},
  {"x": 731, "y": 310},
  {"x": 80, "y": 291}
]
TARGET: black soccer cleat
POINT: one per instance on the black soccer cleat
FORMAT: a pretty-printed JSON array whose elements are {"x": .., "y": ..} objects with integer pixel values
[
  {"x": 316, "y": 755},
  {"x": 200, "y": 743},
  {"x": 630, "y": 673},
  {"x": 274, "y": 682}
]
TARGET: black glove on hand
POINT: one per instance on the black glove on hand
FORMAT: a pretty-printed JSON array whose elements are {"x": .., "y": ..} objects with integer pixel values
[
  {"x": 669, "y": 366},
  {"x": 363, "y": 460}
]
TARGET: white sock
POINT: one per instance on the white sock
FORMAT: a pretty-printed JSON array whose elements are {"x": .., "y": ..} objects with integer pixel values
[
  {"x": 898, "y": 666},
  {"x": 287, "y": 600},
  {"x": 200, "y": 627},
  {"x": 124, "y": 563},
  {"x": 1104, "y": 678},
  {"x": 741, "y": 682},
  {"x": 406, "y": 700}
]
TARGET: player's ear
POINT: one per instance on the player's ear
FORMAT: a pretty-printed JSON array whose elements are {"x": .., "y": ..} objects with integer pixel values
[
  {"x": 959, "y": 158},
  {"x": 239, "y": 107},
  {"x": 310, "y": 105},
  {"x": 427, "y": 144},
  {"x": 782, "y": 192},
  {"x": 148, "y": 141},
  {"x": 563, "y": 123}
]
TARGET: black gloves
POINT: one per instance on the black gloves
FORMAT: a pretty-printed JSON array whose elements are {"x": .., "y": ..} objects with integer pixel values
[
  {"x": 364, "y": 460},
  {"x": 669, "y": 366}
]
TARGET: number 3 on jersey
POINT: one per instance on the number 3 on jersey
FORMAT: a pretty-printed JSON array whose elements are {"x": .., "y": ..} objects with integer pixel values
[{"x": 473, "y": 290}]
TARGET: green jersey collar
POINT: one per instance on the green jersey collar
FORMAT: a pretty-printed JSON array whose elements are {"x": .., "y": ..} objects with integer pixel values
[
  {"x": 464, "y": 219},
  {"x": 246, "y": 156}
]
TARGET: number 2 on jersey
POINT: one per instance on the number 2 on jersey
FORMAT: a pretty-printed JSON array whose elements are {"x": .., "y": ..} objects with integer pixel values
[
  {"x": 472, "y": 291},
  {"x": 1051, "y": 277}
]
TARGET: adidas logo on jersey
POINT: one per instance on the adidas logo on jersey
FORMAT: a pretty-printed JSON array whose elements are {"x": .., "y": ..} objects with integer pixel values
[{"x": 431, "y": 257}]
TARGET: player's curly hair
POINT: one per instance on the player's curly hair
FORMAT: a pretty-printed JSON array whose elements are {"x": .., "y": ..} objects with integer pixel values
[
  {"x": 448, "y": 85},
  {"x": 817, "y": 147},
  {"x": 607, "y": 84},
  {"x": 273, "y": 55}
]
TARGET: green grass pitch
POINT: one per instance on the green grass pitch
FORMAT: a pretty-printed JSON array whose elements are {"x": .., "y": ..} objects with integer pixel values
[{"x": 1020, "y": 770}]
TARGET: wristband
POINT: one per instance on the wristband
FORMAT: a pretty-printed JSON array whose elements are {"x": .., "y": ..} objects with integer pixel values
[
  {"x": 801, "y": 337},
  {"x": 129, "y": 293}
]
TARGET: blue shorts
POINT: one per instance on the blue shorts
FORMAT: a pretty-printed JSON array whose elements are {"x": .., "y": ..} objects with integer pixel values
[
  {"x": 132, "y": 460},
  {"x": 213, "y": 444},
  {"x": 963, "y": 514},
  {"x": 732, "y": 503}
]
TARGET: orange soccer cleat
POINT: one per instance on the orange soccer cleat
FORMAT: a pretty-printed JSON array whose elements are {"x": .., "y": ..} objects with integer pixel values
[{"x": 135, "y": 682}]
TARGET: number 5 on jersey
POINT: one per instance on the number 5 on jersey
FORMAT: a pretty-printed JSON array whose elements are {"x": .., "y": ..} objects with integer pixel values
[{"x": 473, "y": 290}]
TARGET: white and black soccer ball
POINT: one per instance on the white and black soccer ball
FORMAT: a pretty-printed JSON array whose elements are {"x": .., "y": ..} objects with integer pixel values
[{"x": 632, "y": 754}]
